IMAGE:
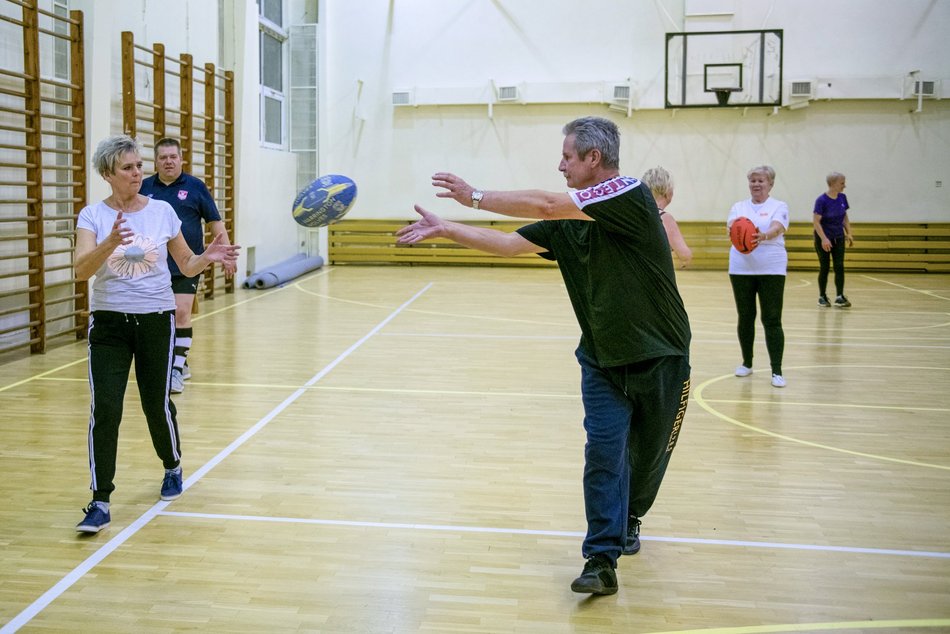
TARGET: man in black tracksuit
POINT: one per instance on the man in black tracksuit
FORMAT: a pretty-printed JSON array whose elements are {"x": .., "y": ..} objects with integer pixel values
[{"x": 608, "y": 240}]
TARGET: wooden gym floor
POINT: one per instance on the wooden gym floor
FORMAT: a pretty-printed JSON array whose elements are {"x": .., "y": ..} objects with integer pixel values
[{"x": 400, "y": 449}]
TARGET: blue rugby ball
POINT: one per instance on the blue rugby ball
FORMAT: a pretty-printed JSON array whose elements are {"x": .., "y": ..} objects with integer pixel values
[{"x": 324, "y": 201}]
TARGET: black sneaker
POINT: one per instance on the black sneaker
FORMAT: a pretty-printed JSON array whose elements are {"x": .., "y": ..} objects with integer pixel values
[
  {"x": 842, "y": 302},
  {"x": 632, "y": 544},
  {"x": 823, "y": 302},
  {"x": 598, "y": 577},
  {"x": 97, "y": 518}
]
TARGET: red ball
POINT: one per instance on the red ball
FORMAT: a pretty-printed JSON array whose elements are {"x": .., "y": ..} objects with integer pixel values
[{"x": 742, "y": 233}]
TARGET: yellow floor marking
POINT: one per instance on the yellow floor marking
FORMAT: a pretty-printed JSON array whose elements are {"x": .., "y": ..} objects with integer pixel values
[
  {"x": 818, "y": 627},
  {"x": 698, "y": 396}
]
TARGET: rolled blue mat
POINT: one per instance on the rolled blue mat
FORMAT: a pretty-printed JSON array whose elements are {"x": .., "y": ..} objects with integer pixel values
[
  {"x": 287, "y": 271},
  {"x": 251, "y": 281}
]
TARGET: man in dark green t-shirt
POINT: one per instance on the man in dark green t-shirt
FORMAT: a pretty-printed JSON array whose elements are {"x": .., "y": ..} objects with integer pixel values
[{"x": 608, "y": 240}]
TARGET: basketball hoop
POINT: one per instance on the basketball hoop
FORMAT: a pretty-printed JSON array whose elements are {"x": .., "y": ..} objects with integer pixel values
[{"x": 722, "y": 95}]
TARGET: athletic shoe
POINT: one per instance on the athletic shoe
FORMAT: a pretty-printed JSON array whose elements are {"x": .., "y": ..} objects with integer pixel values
[
  {"x": 171, "y": 485},
  {"x": 823, "y": 302},
  {"x": 97, "y": 518},
  {"x": 632, "y": 545},
  {"x": 186, "y": 372},
  {"x": 842, "y": 302},
  {"x": 599, "y": 577},
  {"x": 743, "y": 371},
  {"x": 778, "y": 381},
  {"x": 177, "y": 383}
]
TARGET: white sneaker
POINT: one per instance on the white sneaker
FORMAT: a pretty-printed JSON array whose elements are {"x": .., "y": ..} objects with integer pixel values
[
  {"x": 177, "y": 383},
  {"x": 743, "y": 371},
  {"x": 778, "y": 381},
  {"x": 185, "y": 372}
]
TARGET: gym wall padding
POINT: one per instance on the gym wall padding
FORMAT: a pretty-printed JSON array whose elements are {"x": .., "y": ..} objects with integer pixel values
[
  {"x": 287, "y": 271},
  {"x": 251, "y": 281}
]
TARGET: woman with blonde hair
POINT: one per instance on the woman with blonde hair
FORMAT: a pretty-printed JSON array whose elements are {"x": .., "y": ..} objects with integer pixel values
[
  {"x": 761, "y": 272},
  {"x": 661, "y": 186},
  {"x": 124, "y": 242},
  {"x": 832, "y": 231}
]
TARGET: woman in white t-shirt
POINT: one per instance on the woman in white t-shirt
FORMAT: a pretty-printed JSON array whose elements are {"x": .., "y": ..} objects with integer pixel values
[
  {"x": 761, "y": 273},
  {"x": 124, "y": 242}
]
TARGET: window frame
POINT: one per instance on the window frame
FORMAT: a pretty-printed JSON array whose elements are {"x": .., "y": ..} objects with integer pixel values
[{"x": 268, "y": 28}]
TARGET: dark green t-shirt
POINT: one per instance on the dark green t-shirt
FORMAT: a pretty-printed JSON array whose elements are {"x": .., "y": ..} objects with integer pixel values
[{"x": 619, "y": 274}]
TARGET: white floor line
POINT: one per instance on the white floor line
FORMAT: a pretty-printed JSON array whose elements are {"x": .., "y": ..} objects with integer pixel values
[
  {"x": 836, "y": 549},
  {"x": 831, "y": 344},
  {"x": 550, "y": 533},
  {"x": 465, "y": 335},
  {"x": 109, "y": 547},
  {"x": 386, "y": 525},
  {"x": 789, "y": 341},
  {"x": 77, "y": 573},
  {"x": 906, "y": 288}
]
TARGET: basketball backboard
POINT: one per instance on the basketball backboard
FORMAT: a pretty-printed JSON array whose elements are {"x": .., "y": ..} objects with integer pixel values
[{"x": 714, "y": 69}]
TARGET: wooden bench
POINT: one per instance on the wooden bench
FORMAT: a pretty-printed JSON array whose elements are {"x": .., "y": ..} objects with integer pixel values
[
  {"x": 374, "y": 242},
  {"x": 913, "y": 247}
]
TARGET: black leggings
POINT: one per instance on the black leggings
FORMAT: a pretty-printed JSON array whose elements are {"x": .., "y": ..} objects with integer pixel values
[
  {"x": 836, "y": 254},
  {"x": 771, "y": 291}
]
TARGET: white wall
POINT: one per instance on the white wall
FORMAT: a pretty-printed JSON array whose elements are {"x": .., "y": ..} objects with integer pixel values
[
  {"x": 266, "y": 178},
  {"x": 892, "y": 158},
  {"x": 226, "y": 35}
]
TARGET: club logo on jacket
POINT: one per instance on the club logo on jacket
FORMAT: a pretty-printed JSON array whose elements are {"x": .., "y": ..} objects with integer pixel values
[{"x": 182, "y": 194}]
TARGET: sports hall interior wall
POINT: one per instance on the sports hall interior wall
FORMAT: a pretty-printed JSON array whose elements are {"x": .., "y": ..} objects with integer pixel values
[
  {"x": 894, "y": 157},
  {"x": 893, "y": 154}
]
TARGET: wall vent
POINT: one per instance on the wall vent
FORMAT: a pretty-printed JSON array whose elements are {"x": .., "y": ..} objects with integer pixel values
[
  {"x": 621, "y": 93},
  {"x": 402, "y": 97},
  {"x": 802, "y": 89},
  {"x": 925, "y": 88},
  {"x": 507, "y": 93}
]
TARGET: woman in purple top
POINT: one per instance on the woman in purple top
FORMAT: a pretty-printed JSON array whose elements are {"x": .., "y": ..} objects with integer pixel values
[{"x": 832, "y": 230}]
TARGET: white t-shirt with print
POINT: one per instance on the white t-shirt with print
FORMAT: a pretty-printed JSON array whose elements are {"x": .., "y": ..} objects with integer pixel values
[
  {"x": 770, "y": 257},
  {"x": 135, "y": 277}
]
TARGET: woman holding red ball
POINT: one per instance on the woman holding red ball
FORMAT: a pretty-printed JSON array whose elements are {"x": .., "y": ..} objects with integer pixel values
[{"x": 760, "y": 272}]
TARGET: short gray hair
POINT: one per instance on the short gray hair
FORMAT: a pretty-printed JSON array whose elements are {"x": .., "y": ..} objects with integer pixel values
[
  {"x": 763, "y": 169},
  {"x": 109, "y": 150},
  {"x": 659, "y": 181},
  {"x": 833, "y": 178},
  {"x": 596, "y": 133}
]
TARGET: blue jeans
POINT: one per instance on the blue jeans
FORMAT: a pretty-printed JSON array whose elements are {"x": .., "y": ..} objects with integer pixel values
[{"x": 632, "y": 416}]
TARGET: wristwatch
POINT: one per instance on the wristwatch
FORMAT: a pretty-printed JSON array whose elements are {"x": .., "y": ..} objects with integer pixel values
[{"x": 476, "y": 198}]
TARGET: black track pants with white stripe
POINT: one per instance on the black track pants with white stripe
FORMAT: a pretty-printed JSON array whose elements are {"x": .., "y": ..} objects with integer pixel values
[{"x": 116, "y": 340}]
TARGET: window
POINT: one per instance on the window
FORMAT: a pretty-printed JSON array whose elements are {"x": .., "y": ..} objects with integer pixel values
[{"x": 273, "y": 37}]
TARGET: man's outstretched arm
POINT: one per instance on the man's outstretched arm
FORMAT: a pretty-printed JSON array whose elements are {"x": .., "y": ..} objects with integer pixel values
[
  {"x": 526, "y": 203},
  {"x": 489, "y": 240}
]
